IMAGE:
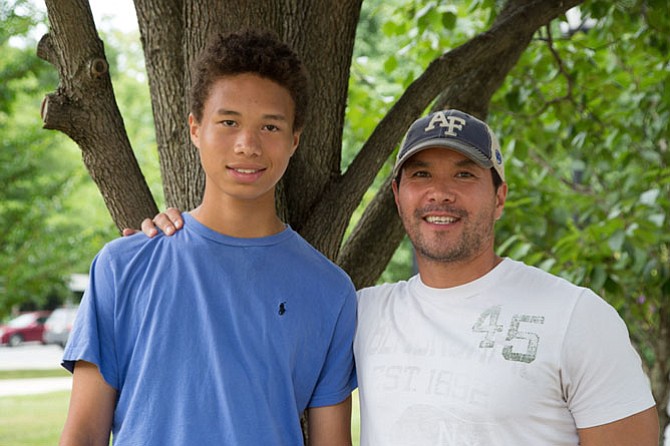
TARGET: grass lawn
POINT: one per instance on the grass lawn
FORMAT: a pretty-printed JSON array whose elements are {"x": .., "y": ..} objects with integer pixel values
[
  {"x": 37, "y": 420},
  {"x": 355, "y": 419},
  {"x": 33, "y": 420},
  {"x": 23, "y": 374}
]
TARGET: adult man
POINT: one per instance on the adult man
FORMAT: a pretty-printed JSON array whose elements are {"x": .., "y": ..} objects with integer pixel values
[
  {"x": 480, "y": 350},
  {"x": 227, "y": 332}
]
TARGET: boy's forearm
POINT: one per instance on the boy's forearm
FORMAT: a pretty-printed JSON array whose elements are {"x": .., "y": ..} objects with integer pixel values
[
  {"x": 75, "y": 438},
  {"x": 330, "y": 425},
  {"x": 91, "y": 411}
]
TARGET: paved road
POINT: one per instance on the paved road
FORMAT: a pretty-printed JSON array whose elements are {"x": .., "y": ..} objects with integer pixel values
[
  {"x": 31, "y": 357},
  {"x": 14, "y": 387}
]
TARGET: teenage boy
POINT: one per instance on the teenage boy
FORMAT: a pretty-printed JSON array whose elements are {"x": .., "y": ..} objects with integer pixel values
[{"x": 226, "y": 332}]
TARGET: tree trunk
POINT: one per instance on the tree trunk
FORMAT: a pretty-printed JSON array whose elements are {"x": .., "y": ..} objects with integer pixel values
[
  {"x": 161, "y": 28},
  {"x": 659, "y": 372}
]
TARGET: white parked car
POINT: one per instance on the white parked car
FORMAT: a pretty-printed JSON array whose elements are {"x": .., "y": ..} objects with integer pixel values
[{"x": 58, "y": 326}]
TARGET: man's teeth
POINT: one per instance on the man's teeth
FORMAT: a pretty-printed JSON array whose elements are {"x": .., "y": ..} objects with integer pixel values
[
  {"x": 246, "y": 170},
  {"x": 440, "y": 220}
]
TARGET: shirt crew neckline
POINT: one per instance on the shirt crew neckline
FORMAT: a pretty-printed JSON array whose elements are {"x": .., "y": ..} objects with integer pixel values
[
  {"x": 193, "y": 225},
  {"x": 467, "y": 290}
]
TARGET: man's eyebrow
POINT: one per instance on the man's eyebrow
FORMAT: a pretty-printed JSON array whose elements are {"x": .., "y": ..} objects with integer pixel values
[
  {"x": 414, "y": 163},
  {"x": 466, "y": 162},
  {"x": 417, "y": 163}
]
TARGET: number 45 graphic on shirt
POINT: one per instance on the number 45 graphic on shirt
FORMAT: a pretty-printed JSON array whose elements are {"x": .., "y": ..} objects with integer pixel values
[{"x": 488, "y": 323}]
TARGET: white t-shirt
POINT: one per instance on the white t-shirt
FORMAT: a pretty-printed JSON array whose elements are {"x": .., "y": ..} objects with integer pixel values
[{"x": 517, "y": 357}]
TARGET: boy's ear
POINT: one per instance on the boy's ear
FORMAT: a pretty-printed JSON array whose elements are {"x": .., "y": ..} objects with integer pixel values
[
  {"x": 296, "y": 140},
  {"x": 193, "y": 129}
]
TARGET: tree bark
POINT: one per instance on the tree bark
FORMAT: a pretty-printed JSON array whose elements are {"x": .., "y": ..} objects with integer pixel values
[
  {"x": 365, "y": 257},
  {"x": 161, "y": 28},
  {"x": 84, "y": 108},
  {"x": 659, "y": 372}
]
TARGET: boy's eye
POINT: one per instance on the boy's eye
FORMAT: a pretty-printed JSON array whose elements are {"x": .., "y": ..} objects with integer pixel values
[
  {"x": 228, "y": 123},
  {"x": 271, "y": 128}
]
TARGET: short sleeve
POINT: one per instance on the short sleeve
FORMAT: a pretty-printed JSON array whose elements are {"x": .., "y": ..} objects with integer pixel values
[
  {"x": 92, "y": 337},
  {"x": 602, "y": 374},
  {"x": 338, "y": 376}
]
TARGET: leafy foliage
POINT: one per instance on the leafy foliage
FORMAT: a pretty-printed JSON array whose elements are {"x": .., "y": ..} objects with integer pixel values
[
  {"x": 28, "y": 265},
  {"x": 584, "y": 125},
  {"x": 53, "y": 218}
]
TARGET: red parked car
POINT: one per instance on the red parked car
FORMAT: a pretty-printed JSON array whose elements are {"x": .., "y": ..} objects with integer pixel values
[{"x": 27, "y": 327}]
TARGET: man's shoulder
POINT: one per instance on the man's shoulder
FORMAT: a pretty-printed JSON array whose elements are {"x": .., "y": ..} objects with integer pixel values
[
  {"x": 383, "y": 289},
  {"x": 531, "y": 282},
  {"x": 527, "y": 275}
]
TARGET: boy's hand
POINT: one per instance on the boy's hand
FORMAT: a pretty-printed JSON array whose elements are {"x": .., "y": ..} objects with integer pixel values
[{"x": 169, "y": 222}]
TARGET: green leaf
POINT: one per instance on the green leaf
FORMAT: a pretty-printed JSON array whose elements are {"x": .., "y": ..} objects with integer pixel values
[{"x": 449, "y": 20}]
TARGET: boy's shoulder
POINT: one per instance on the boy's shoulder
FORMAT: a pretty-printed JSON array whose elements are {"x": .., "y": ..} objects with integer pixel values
[
  {"x": 136, "y": 248},
  {"x": 315, "y": 259},
  {"x": 132, "y": 243}
]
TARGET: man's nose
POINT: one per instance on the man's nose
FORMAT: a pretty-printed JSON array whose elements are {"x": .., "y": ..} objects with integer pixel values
[{"x": 441, "y": 191}]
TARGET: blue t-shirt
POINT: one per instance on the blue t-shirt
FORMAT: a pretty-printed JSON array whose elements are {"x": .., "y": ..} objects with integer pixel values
[{"x": 211, "y": 339}]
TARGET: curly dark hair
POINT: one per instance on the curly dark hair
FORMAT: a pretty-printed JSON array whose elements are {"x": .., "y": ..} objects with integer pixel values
[{"x": 260, "y": 53}]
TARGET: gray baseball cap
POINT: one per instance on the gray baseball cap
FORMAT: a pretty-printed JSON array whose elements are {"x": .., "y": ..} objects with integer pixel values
[{"x": 455, "y": 130}]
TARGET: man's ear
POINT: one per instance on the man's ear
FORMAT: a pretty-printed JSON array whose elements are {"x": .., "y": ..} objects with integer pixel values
[
  {"x": 394, "y": 186},
  {"x": 194, "y": 129},
  {"x": 501, "y": 197}
]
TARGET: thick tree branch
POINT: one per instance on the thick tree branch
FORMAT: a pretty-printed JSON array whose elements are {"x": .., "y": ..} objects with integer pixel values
[
  {"x": 468, "y": 75},
  {"x": 84, "y": 108},
  {"x": 659, "y": 371},
  {"x": 361, "y": 254}
]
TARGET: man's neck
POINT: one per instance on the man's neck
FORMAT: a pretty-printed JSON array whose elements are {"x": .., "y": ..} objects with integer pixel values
[{"x": 451, "y": 274}]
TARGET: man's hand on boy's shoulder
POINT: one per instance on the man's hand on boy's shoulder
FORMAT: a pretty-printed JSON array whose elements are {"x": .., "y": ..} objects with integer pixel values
[{"x": 169, "y": 222}]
